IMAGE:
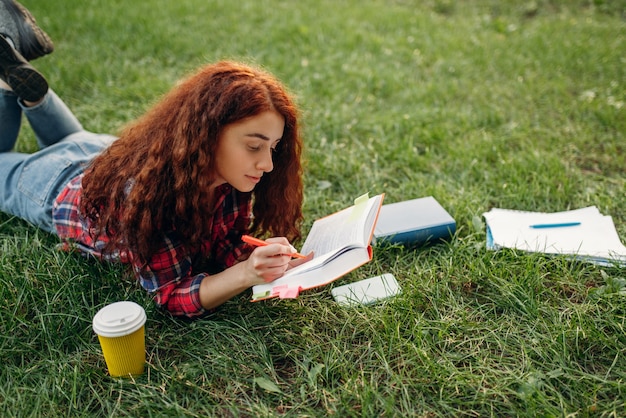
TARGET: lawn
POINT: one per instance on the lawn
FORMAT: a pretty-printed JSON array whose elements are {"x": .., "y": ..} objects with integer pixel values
[{"x": 479, "y": 103}]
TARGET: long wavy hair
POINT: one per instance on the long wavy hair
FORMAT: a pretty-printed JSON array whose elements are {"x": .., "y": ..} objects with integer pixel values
[{"x": 157, "y": 176}]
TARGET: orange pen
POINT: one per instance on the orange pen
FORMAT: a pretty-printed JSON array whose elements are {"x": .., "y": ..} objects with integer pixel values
[{"x": 260, "y": 243}]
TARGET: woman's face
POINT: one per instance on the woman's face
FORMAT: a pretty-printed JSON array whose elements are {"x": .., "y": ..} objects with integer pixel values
[{"x": 244, "y": 150}]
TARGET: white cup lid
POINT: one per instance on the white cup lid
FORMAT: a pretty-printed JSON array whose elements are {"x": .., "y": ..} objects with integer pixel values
[{"x": 119, "y": 319}]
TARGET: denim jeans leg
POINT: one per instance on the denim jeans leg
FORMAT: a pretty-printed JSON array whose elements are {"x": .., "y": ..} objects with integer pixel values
[
  {"x": 29, "y": 183},
  {"x": 10, "y": 120},
  {"x": 51, "y": 120}
]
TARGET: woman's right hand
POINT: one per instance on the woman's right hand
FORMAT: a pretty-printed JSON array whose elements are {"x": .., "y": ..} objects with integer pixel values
[{"x": 269, "y": 262}]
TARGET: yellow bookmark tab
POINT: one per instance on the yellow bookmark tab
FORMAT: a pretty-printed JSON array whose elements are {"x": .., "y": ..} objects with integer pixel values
[
  {"x": 261, "y": 295},
  {"x": 360, "y": 203}
]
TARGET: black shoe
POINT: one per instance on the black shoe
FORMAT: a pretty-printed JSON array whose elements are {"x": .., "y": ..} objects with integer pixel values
[
  {"x": 27, "y": 83},
  {"x": 19, "y": 24}
]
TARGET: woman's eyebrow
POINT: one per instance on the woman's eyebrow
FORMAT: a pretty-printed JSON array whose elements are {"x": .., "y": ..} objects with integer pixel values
[
  {"x": 258, "y": 135},
  {"x": 261, "y": 136}
]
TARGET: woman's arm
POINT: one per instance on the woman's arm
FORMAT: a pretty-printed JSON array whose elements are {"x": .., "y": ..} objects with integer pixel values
[
  {"x": 169, "y": 276},
  {"x": 265, "y": 264}
]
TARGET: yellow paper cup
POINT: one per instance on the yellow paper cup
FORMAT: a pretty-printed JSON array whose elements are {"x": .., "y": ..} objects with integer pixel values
[{"x": 120, "y": 329}]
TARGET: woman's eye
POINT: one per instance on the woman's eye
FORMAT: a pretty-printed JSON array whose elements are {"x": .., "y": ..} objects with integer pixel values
[{"x": 253, "y": 148}]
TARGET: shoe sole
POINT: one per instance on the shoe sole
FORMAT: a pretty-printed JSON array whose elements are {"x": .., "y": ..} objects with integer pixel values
[{"x": 27, "y": 83}]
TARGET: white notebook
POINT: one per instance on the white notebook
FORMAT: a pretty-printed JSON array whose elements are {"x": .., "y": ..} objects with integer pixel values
[{"x": 584, "y": 233}]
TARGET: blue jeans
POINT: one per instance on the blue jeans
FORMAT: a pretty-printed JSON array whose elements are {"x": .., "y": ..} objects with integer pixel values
[{"x": 29, "y": 183}]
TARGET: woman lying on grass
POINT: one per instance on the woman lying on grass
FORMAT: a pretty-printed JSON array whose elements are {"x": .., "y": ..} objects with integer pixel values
[{"x": 171, "y": 196}]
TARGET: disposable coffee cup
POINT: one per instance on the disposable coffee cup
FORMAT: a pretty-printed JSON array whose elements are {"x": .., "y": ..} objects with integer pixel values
[{"x": 120, "y": 327}]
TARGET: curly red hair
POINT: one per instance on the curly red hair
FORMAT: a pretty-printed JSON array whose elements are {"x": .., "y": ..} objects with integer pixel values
[{"x": 154, "y": 177}]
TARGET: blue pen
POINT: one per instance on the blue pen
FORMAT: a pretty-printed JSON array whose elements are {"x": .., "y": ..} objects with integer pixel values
[{"x": 559, "y": 225}]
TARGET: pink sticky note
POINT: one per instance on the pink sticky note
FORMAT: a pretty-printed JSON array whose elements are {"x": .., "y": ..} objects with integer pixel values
[
  {"x": 277, "y": 290},
  {"x": 290, "y": 293},
  {"x": 285, "y": 292}
]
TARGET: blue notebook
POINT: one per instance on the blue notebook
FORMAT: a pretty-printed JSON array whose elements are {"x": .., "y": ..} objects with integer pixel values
[{"x": 414, "y": 222}]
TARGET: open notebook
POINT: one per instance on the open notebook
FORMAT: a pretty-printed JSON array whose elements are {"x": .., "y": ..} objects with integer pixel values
[{"x": 583, "y": 233}]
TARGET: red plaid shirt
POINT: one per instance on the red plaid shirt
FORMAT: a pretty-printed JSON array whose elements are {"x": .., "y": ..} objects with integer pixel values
[{"x": 170, "y": 276}]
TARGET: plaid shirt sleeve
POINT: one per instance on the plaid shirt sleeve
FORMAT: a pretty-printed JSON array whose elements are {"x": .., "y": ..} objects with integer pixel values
[{"x": 168, "y": 276}]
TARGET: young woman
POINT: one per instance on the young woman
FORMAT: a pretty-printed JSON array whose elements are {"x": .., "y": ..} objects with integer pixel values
[{"x": 217, "y": 157}]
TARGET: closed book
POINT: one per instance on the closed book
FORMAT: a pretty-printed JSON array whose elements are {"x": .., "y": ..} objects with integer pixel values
[{"x": 414, "y": 222}]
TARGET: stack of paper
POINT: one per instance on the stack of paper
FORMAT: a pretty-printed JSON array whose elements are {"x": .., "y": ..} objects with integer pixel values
[{"x": 583, "y": 233}]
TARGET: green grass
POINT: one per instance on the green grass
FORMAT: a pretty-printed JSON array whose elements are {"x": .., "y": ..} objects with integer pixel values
[{"x": 479, "y": 103}]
